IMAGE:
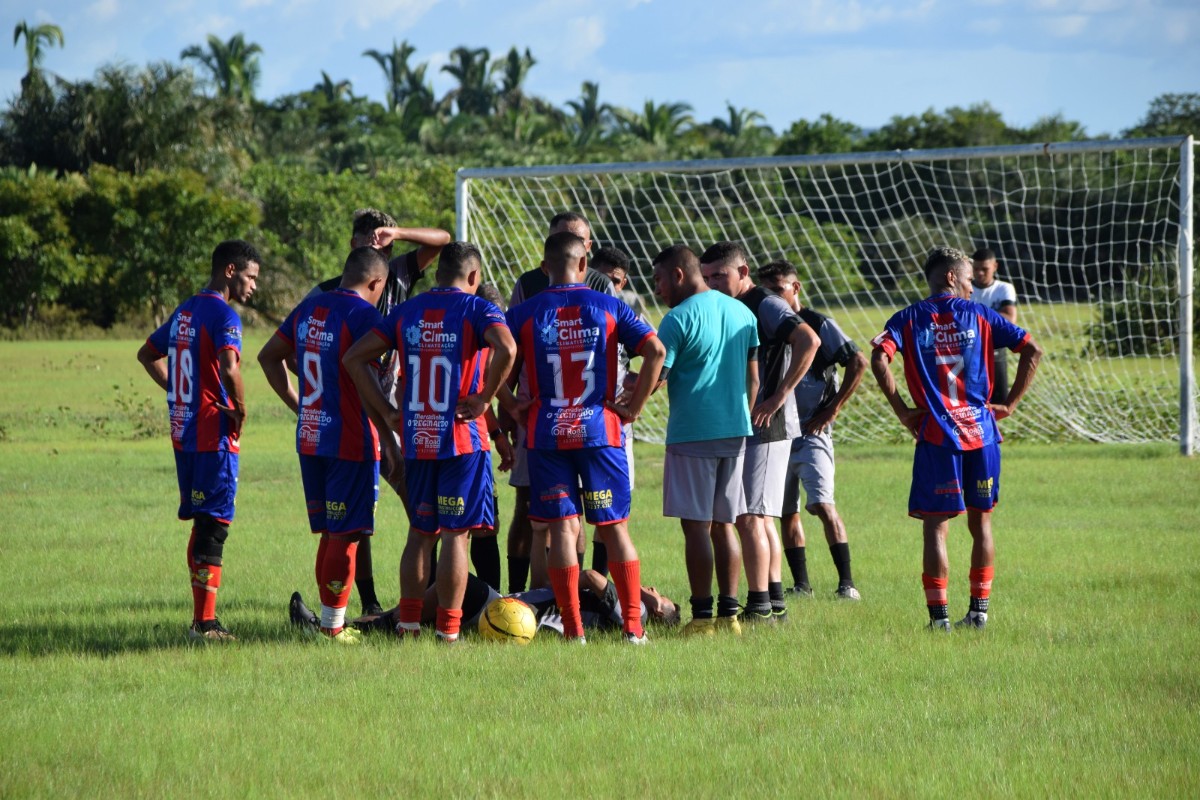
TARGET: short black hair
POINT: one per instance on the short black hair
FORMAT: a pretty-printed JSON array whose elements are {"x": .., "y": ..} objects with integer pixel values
[
  {"x": 238, "y": 252},
  {"x": 562, "y": 250},
  {"x": 723, "y": 251},
  {"x": 565, "y": 217},
  {"x": 363, "y": 264},
  {"x": 984, "y": 254},
  {"x": 366, "y": 220},
  {"x": 941, "y": 259},
  {"x": 679, "y": 256},
  {"x": 489, "y": 292},
  {"x": 454, "y": 262},
  {"x": 609, "y": 257},
  {"x": 777, "y": 269}
]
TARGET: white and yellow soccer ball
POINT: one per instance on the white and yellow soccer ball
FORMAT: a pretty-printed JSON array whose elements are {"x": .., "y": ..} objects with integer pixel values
[{"x": 507, "y": 619}]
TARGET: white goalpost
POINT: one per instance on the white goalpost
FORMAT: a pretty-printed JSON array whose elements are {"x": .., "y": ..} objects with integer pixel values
[{"x": 1096, "y": 237}]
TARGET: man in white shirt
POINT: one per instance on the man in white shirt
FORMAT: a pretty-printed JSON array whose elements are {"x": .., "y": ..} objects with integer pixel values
[{"x": 999, "y": 296}]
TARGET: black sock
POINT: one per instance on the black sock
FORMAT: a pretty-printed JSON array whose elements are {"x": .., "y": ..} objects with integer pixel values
[
  {"x": 758, "y": 601},
  {"x": 841, "y": 560},
  {"x": 432, "y": 566},
  {"x": 979, "y": 604},
  {"x": 798, "y": 564},
  {"x": 364, "y": 576},
  {"x": 727, "y": 606},
  {"x": 600, "y": 558},
  {"x": 775, "y": 590},
  {"x": 939, "y": 612},
  {"x": 518, "y": 573},
  {"x": 579, "y": 557},
  {"x": 702, "y": 607},
  {"x": 485, "y": 558}
]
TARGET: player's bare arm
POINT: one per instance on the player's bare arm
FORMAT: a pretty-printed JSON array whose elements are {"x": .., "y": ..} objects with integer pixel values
[
  {"x": 1031, "y": 355},
  {"x": 653, "y": 354},
  {"x": 804, "y": 343},
  {"x": 361, "y": 362},
  {"x": 855, "y": 370},
  {"x": 503, "y": 446},
  {"x": 504, "y": 354},
  {"x": 229, "y": 367},
  {"x": 155, "y": 365},
  {"x": 430, "y": 241},
  {"x": 273, "y": 358},
  {"x": 909, "y": 417}
]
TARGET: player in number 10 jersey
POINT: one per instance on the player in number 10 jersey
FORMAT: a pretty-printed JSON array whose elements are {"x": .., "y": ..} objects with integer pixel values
[
  {"x": 567, "y": 340},
  {"x": 442, "y": 337}
]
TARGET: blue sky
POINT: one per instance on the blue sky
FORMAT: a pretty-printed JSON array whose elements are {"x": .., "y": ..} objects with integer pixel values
[{"x": 1099, "y": 62}]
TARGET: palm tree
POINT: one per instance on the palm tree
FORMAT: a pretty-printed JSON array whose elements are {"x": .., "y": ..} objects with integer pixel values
[
  {"x": 474, "y": 95},
  {"x": 741, "y": 133},
  {"x": 590, "y": 115},
  {"x": 234, "y": 65},
  {"x": 657, "y": 124},
  {"x": 36, "y": 39},
  {"x": 395, "y": 72},
  {"x": 512, "y": 70},
  {"x": 333, "y": 92}
]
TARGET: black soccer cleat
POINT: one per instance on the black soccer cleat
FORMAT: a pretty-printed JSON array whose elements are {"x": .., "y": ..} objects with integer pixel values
[{"x": 300, "y": 614}]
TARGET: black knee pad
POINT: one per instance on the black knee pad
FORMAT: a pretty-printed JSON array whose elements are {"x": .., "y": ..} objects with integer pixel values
[{"x": 210, "y": 541}]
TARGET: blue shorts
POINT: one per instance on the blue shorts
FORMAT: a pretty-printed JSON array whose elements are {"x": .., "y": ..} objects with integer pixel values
[
  {"x": 946, "y": 482},
  {"x": 207, "y": 484},
  {"x": 453, "y": 494},
  {"x": 555, "y": 477},
  {"x": 341, "y": 495}
]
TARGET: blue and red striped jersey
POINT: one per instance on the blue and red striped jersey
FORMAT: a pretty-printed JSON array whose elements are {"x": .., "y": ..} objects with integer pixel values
[
  {"x": 947, "y": 344},
  {"x": 332, "y": 420},
  {"x": 191, "y": 339},
  {"x": 439, "y": 336},
  {"x": 567, "y": 337}
]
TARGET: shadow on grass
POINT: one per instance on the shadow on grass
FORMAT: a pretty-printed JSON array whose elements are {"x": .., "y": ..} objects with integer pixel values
[{"x": 139, "y": 626}]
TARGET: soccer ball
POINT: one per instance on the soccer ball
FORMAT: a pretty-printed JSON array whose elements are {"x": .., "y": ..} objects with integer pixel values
[{"x": 507, "y": 619}]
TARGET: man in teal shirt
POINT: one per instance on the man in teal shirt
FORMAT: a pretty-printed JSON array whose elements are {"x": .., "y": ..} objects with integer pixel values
[{"x": 711, "y": 372}]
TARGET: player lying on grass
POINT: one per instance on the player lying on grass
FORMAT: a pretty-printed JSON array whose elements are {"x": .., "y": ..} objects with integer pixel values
[{"x": 599, "y": 606}]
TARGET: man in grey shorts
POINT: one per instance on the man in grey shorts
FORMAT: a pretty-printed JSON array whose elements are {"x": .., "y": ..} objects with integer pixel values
[
  {"x": 819, "y": 399},
  {"x": 711, "y": 372},
  {"x": 786, "y": 348}
]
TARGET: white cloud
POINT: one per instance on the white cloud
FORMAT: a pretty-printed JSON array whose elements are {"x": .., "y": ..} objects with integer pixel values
[
  {"x": 585, "y": 35},
  {"x": 394, "y": 15},
  {"x": 988, "y": 26},
  {"x": 817, "y": 17},
  {"x": 104, "y": 9},
  {"x": 1066, "y": 26},
  {"x": 247, "y": 4}
]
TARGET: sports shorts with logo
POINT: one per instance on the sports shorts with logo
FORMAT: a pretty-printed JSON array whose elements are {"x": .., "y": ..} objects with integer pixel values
[
  {"x": 340, "y": 495},
  {"x": 207, "y": 484},
  {"x": 946, "y": 482},
  {"x": 454, "y": 494},
  {"x": 556, "y": 477}
]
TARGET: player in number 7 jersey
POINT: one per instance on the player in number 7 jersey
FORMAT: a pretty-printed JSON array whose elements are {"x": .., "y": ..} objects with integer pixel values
[
  {"x": 947, "y": 343},
  {"x": 195, "y": 357},
  {"x": 441, "y": 337},
  {"x": 567, "y": 337}
]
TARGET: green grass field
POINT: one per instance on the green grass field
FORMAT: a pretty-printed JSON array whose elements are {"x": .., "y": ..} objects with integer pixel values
[{"x": 1085, "y": 684}]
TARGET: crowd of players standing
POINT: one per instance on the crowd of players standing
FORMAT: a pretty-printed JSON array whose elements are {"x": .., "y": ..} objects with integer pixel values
[{"x": 404, "y": 388}]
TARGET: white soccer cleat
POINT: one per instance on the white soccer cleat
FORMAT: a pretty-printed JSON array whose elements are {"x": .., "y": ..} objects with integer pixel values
[
  {"x": 938, "y": 626},
  {"x": 973, "y": 619}
]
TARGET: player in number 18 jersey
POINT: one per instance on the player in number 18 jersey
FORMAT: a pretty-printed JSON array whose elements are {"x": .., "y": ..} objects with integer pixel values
[{"x": 196, "y": 357}]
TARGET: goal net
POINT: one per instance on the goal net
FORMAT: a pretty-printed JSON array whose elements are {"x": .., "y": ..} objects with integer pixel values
[{"x": 1095, "y": 236}]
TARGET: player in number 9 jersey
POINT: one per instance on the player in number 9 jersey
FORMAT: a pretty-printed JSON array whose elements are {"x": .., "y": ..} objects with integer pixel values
[
  {"x": 196, "y": 358},
  {"x": 947, "y": 343}
]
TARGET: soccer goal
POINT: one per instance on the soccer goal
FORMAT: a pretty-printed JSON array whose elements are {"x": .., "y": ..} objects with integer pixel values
[{"x": 1096, "y": 237}]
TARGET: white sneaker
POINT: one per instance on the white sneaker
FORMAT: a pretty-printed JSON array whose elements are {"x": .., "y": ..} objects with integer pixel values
[
  {"x": 847, "y": 593},
  {"x": 938, "y": 626},
  {"x": 631, "y": 639}
]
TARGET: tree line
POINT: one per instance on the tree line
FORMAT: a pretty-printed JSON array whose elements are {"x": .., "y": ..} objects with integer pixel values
[{"x": 113, "y": 188}]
